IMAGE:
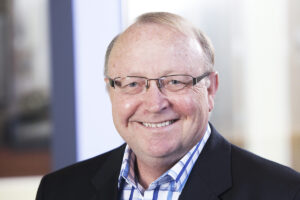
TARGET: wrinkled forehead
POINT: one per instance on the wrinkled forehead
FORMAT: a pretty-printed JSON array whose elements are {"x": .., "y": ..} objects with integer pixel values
[{"x": 144, "y": 39}]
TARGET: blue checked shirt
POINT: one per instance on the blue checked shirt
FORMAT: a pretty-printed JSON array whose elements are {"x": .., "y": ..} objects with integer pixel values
[{"x": 168, "y": 186}]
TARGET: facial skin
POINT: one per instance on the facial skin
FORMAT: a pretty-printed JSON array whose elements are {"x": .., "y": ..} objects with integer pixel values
[{"x": 152, "y": 51}]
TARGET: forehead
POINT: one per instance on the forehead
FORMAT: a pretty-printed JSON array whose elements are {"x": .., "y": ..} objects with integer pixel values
[{"x": 154, "y": 46}]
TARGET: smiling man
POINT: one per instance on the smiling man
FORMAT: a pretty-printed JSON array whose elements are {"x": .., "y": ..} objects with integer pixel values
[
  {"x": 161, "y": 82},
  {"x": 157, "y": 108}
]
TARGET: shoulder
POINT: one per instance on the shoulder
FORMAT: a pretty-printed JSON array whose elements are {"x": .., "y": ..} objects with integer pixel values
[
  {"x": 76, "y": 179},
  {"x": 251, "y": 176},
  {"x": 243, "y": 160},
  {"x": 254, "y": 172},
  {"x": 247, "y": 166},
  {"x": 90, "y": 166}
]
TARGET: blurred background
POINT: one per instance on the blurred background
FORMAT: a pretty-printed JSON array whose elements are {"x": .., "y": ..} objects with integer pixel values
[{"x": 54, "y": 109}]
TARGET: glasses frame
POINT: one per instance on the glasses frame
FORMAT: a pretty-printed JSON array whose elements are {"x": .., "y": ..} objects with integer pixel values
[{"x": 195, "y": 80}]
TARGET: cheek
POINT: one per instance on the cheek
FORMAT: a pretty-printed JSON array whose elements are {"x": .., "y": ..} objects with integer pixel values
[
  {"x": 186, "y": 105},
  {"x": 123, "y": 109},
  {"x": 191, "y": 105}
]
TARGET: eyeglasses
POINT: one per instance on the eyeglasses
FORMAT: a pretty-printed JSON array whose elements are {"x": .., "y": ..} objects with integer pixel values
[{"x": 172, "y": 83}]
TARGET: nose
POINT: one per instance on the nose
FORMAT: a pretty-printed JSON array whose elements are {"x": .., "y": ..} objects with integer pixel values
[{"x": 154, "y": 100}]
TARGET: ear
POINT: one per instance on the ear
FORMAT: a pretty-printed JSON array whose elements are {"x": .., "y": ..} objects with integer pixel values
[
  {"x": 106, "y": 80},
  {"x": 212, "y": 89},
  {"x": 107, "y": 84}
]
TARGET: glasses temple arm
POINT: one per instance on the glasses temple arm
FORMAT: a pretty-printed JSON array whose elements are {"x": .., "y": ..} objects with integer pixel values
[
  {"x": 199, "y": 78},
  {"x": 111, "y": 82}
]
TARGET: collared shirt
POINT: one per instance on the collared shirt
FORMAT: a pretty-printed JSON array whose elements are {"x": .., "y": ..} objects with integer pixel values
[{"x": 168, "y": 186}]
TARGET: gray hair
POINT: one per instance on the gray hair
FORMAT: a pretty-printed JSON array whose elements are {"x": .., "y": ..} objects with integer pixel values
[{"x": 177, "y": 23}]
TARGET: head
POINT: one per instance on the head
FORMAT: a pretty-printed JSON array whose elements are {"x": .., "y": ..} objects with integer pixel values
[{"x": 161, "y": 125}]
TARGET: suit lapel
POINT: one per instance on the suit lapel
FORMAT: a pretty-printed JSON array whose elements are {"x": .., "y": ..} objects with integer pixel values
[
  {"x": 211, "y": 174},
  {"x": 106, "y": 179}
]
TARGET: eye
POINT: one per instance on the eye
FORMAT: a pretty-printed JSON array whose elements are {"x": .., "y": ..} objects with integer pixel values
[
  {"x": 118, "y": 83},
  {"x": 175, "y": 82},
  {"x": 132, "y": 84}
]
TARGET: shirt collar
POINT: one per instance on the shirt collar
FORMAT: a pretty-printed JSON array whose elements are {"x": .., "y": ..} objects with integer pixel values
[{"x": 178, "y": 173}]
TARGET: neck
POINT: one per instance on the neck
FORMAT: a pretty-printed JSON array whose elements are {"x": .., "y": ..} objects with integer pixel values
[{"x": 146, "y": 173}]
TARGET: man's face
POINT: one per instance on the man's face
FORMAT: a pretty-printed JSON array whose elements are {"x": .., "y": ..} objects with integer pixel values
[{"x": 153, "y": 51}]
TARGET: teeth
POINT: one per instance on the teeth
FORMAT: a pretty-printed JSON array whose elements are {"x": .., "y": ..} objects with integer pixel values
[{"x": 158, "y": 125}]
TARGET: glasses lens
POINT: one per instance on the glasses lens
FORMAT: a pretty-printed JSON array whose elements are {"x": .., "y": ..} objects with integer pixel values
[
  {"x": 131, "y": 85},
  {"x": 176, "y": 82}
]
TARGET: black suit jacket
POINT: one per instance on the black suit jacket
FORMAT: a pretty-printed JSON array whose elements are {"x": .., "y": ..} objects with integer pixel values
[{"x": 222, "y": 172}]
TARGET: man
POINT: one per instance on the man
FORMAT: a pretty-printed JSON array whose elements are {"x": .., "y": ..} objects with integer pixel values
[{"x": 161, "y": 82}]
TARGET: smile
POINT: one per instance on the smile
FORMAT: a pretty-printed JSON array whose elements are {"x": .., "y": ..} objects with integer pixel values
[{"x": 158, "y": 125}]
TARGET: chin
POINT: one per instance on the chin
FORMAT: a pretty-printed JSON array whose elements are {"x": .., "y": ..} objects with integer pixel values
[{"x": 161, "y": 151}]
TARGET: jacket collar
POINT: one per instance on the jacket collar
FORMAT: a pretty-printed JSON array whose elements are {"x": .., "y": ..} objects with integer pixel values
[
  {"x": 106, "y": 179},
  {"x": 211, "y": 174},
  {"x": 209, "y": 178}
]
